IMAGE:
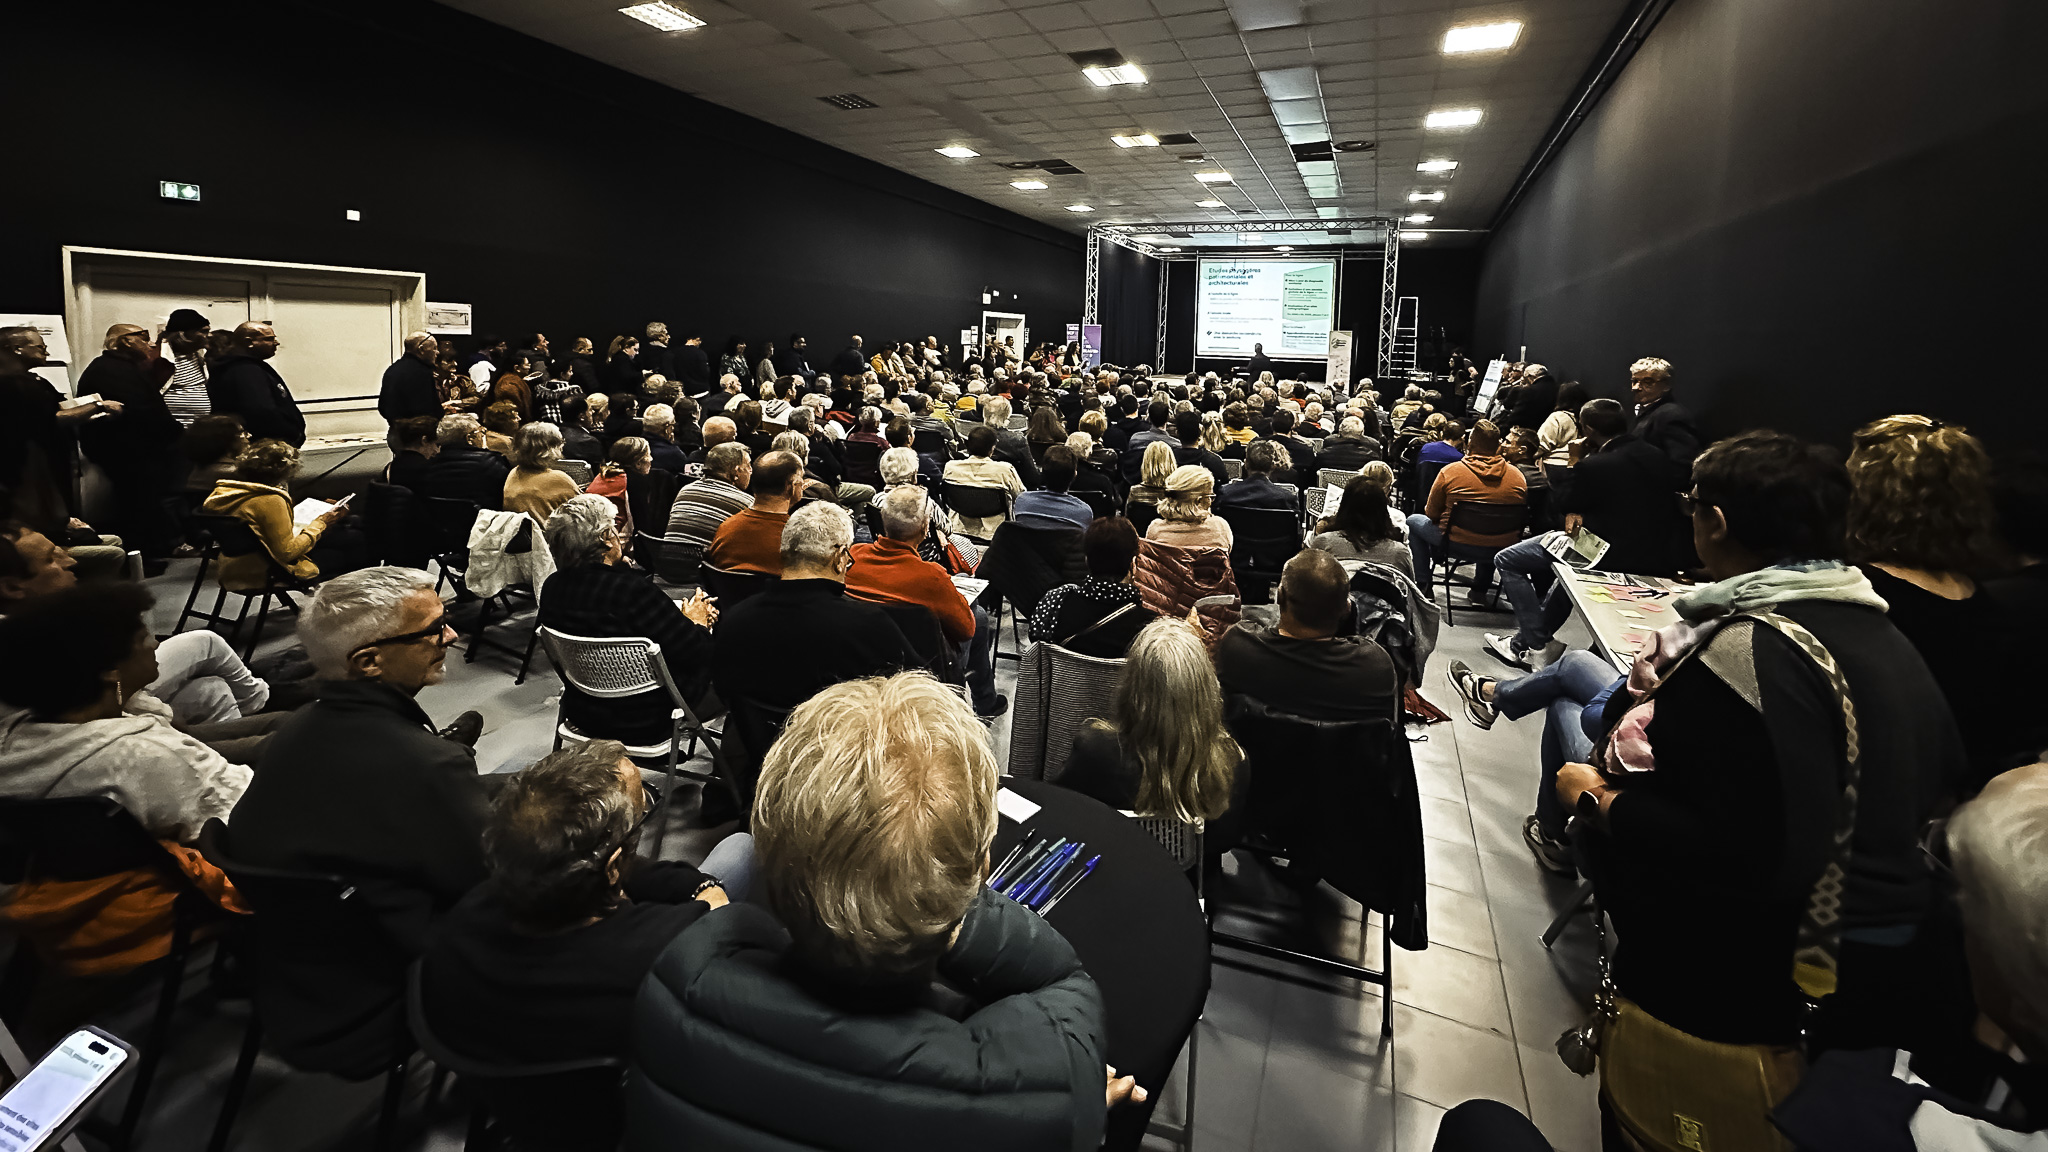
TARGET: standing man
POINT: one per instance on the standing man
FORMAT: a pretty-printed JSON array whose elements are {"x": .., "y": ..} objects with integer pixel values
[
  {"x": 244, "y": 384},
  {"x": 692, "y": 366},
  {"x": 794, "y": 361},
  {"x": 1661, "y": 421},
  {"x": 1538, "y": 399},
  {"x": 655, "y": 357},
  {"x": 36, "y": 441},
  {"x": 1259, "y": 363},
  {"x": 851, "y": 362},
  {"x": 134, "y": 447},
  {"x": 408, "y": 388}
]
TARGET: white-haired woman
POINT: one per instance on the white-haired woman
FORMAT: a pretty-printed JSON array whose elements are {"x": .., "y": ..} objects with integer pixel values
[
  {"x": 535, "y": 486},
  {"x": 593, "y": 593},
  {"x": 1185, "y": 519},
  {"x": 955, "y": 554}
]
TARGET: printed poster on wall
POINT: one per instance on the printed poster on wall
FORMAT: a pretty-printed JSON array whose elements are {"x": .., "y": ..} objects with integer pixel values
[
  {"x": 448, "y": 319},
  {"x": 1091, "y": 344},
  {"x": 1338, "y": 374},
  {"x": 1073, "y": 335}
]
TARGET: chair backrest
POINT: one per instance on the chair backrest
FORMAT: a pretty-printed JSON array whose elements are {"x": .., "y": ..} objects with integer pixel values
[
  {"x": 751, "y": 728},
  {"x": 231, "y": 533},
  {"x": 1141, "y": 514},
  {"x": 1482, "y": 518},
  {"x": 1182, "y": 839},
  {"x": 1338, "y": 476},
  {"x": 976, "y": 502},
  {"x": 448, "y": 523},
  {"x": 609, "y": 667},
  {"x": 675, "y": 561},
  {"x": 1019, "y": 422},
  {"x": 577, "y": 470},
  {"x": 864, "y": 462},
  {"x": 74, "y": 838},
  {"x": 391, "y": 524},
  {"x": 1233, "y": 468},
  {"x": 1263, "y": 540},
  {"x": 1099, "y": 502},
  {"x": 1313, "y": 502},
  {"x": 928, "y": 442},
  {"x": 1057, "y": 692},
  {"x": 1025, "y": 561},
  {"x": 732, "y": 586},
  {"x": 920, "y": 625}
]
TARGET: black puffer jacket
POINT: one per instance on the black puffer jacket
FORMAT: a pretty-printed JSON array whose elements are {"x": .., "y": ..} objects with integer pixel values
[{"x": 731, "y": 1052}]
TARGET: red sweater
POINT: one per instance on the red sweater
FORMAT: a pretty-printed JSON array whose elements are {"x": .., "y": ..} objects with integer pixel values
[
  {"x": 892, "y": 570},
  {"x": 750, "y": 540}
]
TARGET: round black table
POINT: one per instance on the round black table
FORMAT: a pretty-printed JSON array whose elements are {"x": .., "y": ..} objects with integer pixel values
[{"x": 1137, "y": 927}]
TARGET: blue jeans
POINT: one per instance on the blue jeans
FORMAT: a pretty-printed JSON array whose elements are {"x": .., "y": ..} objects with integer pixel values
[
  {"x": 1425, "y": 538},
  {"x": 731, "y": 860},
  {"x": 1524, "y": 569},
  {"x": 1573, "y": 693},
  {"x": 978, "y": 656}
]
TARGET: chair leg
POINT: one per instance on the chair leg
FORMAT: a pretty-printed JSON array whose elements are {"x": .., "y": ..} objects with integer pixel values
[
  {"x": 1580, "y": 899},
  {"x": 668, "y": 792},
  {"x": 394, "y": 1097},
  {"x": 198, "y": 581},
  {"x": 159, "y": 1033},
  {"x": 1387, "y": 988},
  {"x": 262, "y": 614},
  {"x": 238, "y": 1084},
  {"x": 526, "y": 660},
  {"x": 476, "y": 638}
]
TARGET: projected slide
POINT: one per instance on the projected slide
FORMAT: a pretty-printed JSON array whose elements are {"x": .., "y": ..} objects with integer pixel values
[{"x": 1287, "y": 305}]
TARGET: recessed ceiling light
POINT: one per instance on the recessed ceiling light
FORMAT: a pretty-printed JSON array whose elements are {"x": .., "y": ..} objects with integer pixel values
[
  {"x": 1418, "y": 218},
  {"x": 957, "y": 152},
  {"x": 1437, "y": 166},
  {"x": 1452, "y": 118},
  {"x": 1213, "y": 177},
  {"x": 1283, "y": 247},
  {"x": 1028, "y": 185},
  {"x": 664, "y": 16},
  {"x": 1482, "y": 37},
  {"x": 1107, "y": 76},
  {"x": 1414, "y": 235},
  {"x": 1080, "y": 208},
  {"x": 1208, "y": 203},
  {"x": 353, "y": 214},
  {"x": 1419, "y": 197},
  {"x": 1169, "y": 249},
  {"x": 1142, "y": 140}
]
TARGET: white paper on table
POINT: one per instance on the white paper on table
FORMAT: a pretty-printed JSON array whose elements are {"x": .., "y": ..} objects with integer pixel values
[
  {"x": 969, "y": 587},
  {"x": 1014, "y": 806},
  {"x": 307, "y": 511}
]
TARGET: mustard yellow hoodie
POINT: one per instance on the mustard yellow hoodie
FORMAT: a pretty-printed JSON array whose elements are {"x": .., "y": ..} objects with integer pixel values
[{"x": 268, "y": 513}]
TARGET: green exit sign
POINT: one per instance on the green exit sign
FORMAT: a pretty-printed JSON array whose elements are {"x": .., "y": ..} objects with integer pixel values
[{"x": 172, "y": 190}]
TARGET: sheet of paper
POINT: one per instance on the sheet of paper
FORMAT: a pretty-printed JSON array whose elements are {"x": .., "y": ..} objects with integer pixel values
[
  {"x": 1014, "y": 806},
  {"x": 307, "y": 511},
  {"x": 1333, "y": 498},
  {"x": 970, "y": 587}
]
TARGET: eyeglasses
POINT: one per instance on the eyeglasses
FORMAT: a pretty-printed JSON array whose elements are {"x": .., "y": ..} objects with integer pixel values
[
  {"x": 1690, "y": 503},
  {"x": 437, "y": 631}
]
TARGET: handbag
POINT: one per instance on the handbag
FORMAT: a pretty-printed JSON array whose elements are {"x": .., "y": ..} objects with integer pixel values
[{"x": 1671, "y": 1091}]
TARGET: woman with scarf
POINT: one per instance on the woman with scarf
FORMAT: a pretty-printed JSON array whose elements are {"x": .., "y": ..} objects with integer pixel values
[{"x": 1751, "y": 820}]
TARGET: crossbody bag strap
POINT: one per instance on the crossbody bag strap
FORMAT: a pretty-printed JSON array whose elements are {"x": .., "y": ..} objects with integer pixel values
[
  {"x": 1817, "y": 952},
  {"x": 1120, "y": 612}
]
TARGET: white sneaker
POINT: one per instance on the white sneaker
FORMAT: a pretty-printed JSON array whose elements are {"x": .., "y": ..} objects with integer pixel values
[
  {"x": 1502, "y": 648},
  {"x": 1472, "y": 690}
]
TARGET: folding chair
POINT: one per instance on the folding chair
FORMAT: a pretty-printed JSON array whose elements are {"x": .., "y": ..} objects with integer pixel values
[
  {"x": 730, "y": 586},
  {"x": 1480, "y": 519},
  {"x": 1057, "y": 692},
  {"x": 577, "y": 470},
  {"x": 1099, "y": 502},
  {"x": 972, "y": 502},
  {"x": 615, "y": 667},
  {"x": 671, "y": 561},
  {"x": 1182, "y": 841},
  {"x": 1233, "y": 468},
  {"x": 231, "y": 538},
  {"x": 1141, "y": 514},
  {"x": 1263, "y": 540},
  {"x": 1338, "y": 476}
]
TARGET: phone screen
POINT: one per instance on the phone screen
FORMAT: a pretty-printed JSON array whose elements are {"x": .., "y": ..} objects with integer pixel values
[{"x": 39, "y": 1104}]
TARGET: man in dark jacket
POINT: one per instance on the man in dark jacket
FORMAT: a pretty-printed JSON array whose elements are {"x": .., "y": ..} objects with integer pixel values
[
  {"x": 1257, "y": 489},
  {"x": 408, "y": 388},
  {"x": 1258, "y": 363},
  {"x": 359, "y": 784},
  {"x": 1299, "y": 450},
  {"x": 1188, "y": 427},
  {"x": 693, "y": 367},
  {"x": 1538, "y": 398},
  {"x": 1661, "y": 421},
  {"x": 823, "y": 995},
  {"x": 1350, "y": 449},
  {"x": 134, "y": 446},
  {"x": 464, "y": 469},
  {"x": 851, "y": 361},
  {"x": 244, "y": 384},
  {"x": 793, "y": 360}
]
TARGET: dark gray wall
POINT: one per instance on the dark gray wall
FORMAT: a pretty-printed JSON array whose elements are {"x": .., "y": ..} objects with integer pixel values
[{"x": 1820, "y": 212}]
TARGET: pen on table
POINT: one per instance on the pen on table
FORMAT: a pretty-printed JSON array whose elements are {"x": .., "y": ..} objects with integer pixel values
[
  {"x": 1030, "y": 860},
  {"x": 1086, "y": 869},
  {"x": 1008, "y": 860},
  {"x": 1052, "y": 883},
  {"x": 1045, "y": 883},
  {"x": 1037, "y": 872}
]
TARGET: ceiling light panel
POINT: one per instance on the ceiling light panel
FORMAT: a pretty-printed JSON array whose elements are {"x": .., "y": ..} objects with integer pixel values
[
  {"x": 1208, "y": 203},
  {"x": 1437, "y": 166},
  {"x": 1142, "y": 140},
  {"x": 1291, "y": 83},
  {"x": 1213, "y": 177},
  {"x": 1080, "y": 208},
  {"x": 1406, "y": 236},
  {"x": 1452, "y": 118},
  {"x": 1425, "y": 197},
  {"x": 1482, "y": 37},
  {"x": 663, "y": 16},
  {"x": 1028, "y": 185},
  {"x": 1418, "y": 218},
  {"x": 957, "y": 152}
]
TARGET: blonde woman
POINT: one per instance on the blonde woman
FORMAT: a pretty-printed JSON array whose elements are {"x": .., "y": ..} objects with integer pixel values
[
  {"x": 256, "y": 495},
  {"x": 1153, "y": 469},
  {"x": 1185, "y": 520},
  {"x": 1164, "y": 750},
  {"x": 535, "y": 486},
  {"x": 1214, "y": 438}
]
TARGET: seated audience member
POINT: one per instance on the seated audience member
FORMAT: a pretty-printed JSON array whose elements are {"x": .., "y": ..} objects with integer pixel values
[
  {"x": 1096, "y": 471},
  {"x": 416, "y": 446},
  {"x": 499, "y": 421},
  {"x": 1164, "y": 751},
  {"x": 211, "y": 445},
  {"x": 890, "y": 569},
  {"x": 593, "y": 594},
  {"x": 658, "y": 425},
  {"x": 1554, "y": 438},
  {"x": 1053, "y": 507},
  {"x": 1101, "y": 615},
  {"x": 704, "y": 505},
  {"x": 1366, "y": 526},
  {"x": 464, "y": 469},
  {"x": 1744, "y": 761},
  {"x": 750, "y": 540},
  {"x": 872, "y": 829},
  {"x": 578, "y": 428},
  {"x": 1256, "y": 489},
  {"x": 1303, "y": 667},
  {"x": 257, "y": 497},
  {"x": 540, "y": 963},
  {"x": 2019, "y": 494},
  {"x": 621, "y": 418},
  {"x": 1184, "y": 517},
  {"x": 956, "y": 554},
  {"x": 1350, "y": 449},
  {"x": 1154, "y": 466},
  {"x": 535, "y": 486},
  {"x": 1923, "y": 529},
  {"x": 1447, "y": 445},
  {"x": 1997, "y": 842},
  {"x": 81, "y": 721},
  {"x": 1303, "y": 453},
  {"x": 978, "y": 469},
  {"x": 717, "y": 430},
  {"x": 1010, "y": 447},
  {"x": 802, "y": 633},
  {"x": 1613, "y": 489},
  {"x": 1483, "y": 476}
]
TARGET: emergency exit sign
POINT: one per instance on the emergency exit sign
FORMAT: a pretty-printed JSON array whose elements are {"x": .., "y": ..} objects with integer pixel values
[{"x": 172, "y": 190}]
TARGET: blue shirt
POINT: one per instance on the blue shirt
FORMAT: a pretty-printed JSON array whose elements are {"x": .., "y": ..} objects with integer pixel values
[
  {"x": 1052, "y": 510},
  {"x": 1439, "y": 450}
]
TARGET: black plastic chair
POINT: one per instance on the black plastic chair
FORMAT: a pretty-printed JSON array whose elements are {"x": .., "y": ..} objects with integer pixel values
[
  {"x": 730, "y": 586},
  {"x": 231, "y": 538},
  {"x": 1099, "y": 502},
  {"x": 1141, "y": 514},
  {"x": 671, "y": 561},
  {"x": 1337, "y": 800},
  {"x": 864, "y": 462},
  {"x": 87, "y": 838},
  {"x": 559, "y": 1106},
  {"x": 751, "y": 728},
  {"x": 392, "y": 525},
  {"x": 929, "y": 442},
  {"x": 448, "y": 521},
  {"x": 1262, "y": 541},
  {"x": 311, "y": 931},
  {"x": 920, "y": 625},
  {"x": 972, "y": 502},
  {"x": 1480, "y": 519}
]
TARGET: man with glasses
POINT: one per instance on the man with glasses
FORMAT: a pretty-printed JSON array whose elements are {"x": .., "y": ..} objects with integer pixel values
[
  {"x": 359, "y": 783},
  {"x": 244, "y": 384}
]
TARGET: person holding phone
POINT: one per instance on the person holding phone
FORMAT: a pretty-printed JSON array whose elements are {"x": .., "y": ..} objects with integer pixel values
[{"x": 257, "y": 496}]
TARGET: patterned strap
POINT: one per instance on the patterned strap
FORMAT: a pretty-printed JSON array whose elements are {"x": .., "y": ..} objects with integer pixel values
[{"x": 1819, "y": 943}]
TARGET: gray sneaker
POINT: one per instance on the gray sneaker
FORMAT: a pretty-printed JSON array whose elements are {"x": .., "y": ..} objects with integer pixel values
[
  {"x": 1502, "y": 648},
  {"x": 1471, "y": 689},
  {"x": 1552, "y": 855}
]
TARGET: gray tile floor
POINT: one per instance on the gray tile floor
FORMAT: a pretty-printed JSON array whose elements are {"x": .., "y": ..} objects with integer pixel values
[{"x": 1287, "y": 1059}]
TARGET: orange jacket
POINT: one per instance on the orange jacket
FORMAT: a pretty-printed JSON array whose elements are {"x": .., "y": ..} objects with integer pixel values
[
  {"x": 892, "y": 570},
  {"x": 1487, "y": 479},
  {"x": 750, "y": 540}
]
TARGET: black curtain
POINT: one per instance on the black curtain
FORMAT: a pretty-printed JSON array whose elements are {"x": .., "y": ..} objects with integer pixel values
[{"x": 1127, "y": 303}]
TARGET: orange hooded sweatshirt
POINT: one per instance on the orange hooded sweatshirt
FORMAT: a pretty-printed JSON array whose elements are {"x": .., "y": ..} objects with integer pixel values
[{"x": 1489, "y": 479}]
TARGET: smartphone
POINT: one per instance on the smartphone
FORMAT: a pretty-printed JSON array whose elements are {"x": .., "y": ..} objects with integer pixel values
[
  {"x": 43, "y": 1106},
  {"x": 343, "y": 502}
]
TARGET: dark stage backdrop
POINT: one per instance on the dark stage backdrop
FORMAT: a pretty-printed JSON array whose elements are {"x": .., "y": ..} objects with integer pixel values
[
  {"x": 548, "y": 190},
  {"x": 1820, "y": 212}
]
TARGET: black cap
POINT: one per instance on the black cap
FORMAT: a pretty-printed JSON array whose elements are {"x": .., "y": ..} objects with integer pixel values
[{"x": 186, "y": 320}]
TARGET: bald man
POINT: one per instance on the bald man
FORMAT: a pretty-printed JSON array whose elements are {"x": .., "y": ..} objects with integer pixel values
[
  {"x": 408, "y": 388},
  {"x": 244, "y": 384},
  {"x": 1303, "y": 667},
  {"x": 134, "y": 445}
]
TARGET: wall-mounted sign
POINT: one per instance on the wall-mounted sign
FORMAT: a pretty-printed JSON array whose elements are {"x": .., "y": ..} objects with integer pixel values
[
  {"x": 1091, "y": 345},
  {"x": 1338, "y": 372},
  {"x": 448, "y": 319},
  {"x": 172, "y": 190}
]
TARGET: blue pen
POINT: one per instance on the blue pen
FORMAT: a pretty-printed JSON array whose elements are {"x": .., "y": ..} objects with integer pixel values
[
  {"x": 1038, "y": 872},
  {"x": 1045, "y": 883},
  {"x": 1032, "y": 859},
  {"x": 1086, "y": 869}
]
